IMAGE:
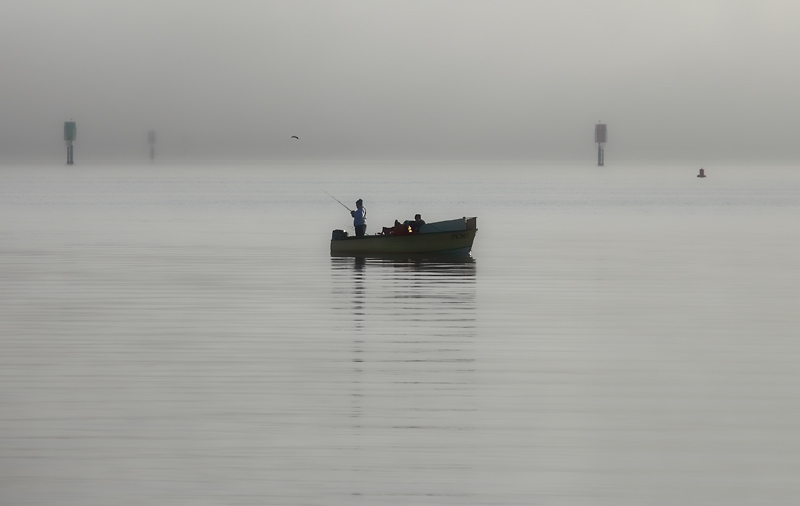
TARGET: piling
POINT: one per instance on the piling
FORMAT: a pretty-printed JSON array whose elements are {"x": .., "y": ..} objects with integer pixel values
[
  {"x": 151, "y": 139},
  {"x": 600, "y": 137},
  {"x": 70, "y": 134}
]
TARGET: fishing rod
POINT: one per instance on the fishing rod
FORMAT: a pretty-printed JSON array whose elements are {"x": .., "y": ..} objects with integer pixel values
[{"x": 337, "y": 200}]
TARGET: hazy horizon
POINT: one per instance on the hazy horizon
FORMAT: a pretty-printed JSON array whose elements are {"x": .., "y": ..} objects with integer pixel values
[{"x": 685, "y": 81}]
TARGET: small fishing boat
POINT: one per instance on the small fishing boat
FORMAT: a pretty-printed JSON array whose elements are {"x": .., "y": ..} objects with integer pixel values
[{"x": 452, "y": 237}]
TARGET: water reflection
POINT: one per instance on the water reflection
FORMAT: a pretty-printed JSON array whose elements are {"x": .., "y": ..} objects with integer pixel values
[{"x": 413, "y": 326}]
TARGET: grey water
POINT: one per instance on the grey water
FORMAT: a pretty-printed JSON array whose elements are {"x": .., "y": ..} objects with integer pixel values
[{"x": 179, "y": 334}]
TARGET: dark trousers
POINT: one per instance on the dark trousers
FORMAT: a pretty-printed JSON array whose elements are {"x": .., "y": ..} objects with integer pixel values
[{"x": 360, "y": 230}]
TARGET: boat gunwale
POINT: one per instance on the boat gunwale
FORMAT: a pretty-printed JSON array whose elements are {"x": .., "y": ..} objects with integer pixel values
[{"x": 415, "y": 234}]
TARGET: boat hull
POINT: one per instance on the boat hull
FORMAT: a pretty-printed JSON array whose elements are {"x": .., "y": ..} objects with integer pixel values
[{"x": 442, "y": 243}]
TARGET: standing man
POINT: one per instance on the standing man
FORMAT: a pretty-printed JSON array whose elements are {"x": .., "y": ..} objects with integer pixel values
[{"x": 359, "y": 218}]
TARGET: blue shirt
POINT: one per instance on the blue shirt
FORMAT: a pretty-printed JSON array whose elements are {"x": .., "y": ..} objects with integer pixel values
[{"x": 360, "y": 216}]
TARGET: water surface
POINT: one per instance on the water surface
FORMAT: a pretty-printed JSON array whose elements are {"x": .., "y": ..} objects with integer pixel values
[{"x": 180, "y": 335}]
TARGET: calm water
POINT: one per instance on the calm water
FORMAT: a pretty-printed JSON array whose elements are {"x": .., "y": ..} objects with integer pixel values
[{"x": 180, "y": 335}]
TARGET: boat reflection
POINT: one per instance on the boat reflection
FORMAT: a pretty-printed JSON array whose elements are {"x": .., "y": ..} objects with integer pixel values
[
  {"x": 411, "y": 324},
  {"x": 405, "y": 288}
]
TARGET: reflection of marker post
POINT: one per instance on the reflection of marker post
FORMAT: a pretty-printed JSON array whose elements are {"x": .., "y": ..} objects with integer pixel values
[
  {"x": 151, "y": 139},
  {"x": 70, "y": 133},
  {"x": 600, "y": 133}
]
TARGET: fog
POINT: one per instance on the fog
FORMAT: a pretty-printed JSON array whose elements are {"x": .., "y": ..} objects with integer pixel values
[{"x": 517, "y": 80}]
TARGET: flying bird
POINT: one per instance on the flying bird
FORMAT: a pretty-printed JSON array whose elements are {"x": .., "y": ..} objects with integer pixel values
[{"x": 295, "y": 137}]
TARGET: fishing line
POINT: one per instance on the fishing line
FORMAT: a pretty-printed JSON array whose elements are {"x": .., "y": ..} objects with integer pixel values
[{"x": 337, "y": 200}]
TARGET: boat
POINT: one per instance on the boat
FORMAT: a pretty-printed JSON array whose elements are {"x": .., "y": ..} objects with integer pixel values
[{"x": 451, "y": 237}]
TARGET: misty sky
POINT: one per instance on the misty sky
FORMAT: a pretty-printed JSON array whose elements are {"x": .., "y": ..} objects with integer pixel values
[{"x": 693, "y": 81}]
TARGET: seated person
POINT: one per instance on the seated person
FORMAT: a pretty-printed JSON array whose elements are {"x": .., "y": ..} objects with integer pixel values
[
  {"x": 416, "y": 224},
  {"x": 405, "y": 228}
]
